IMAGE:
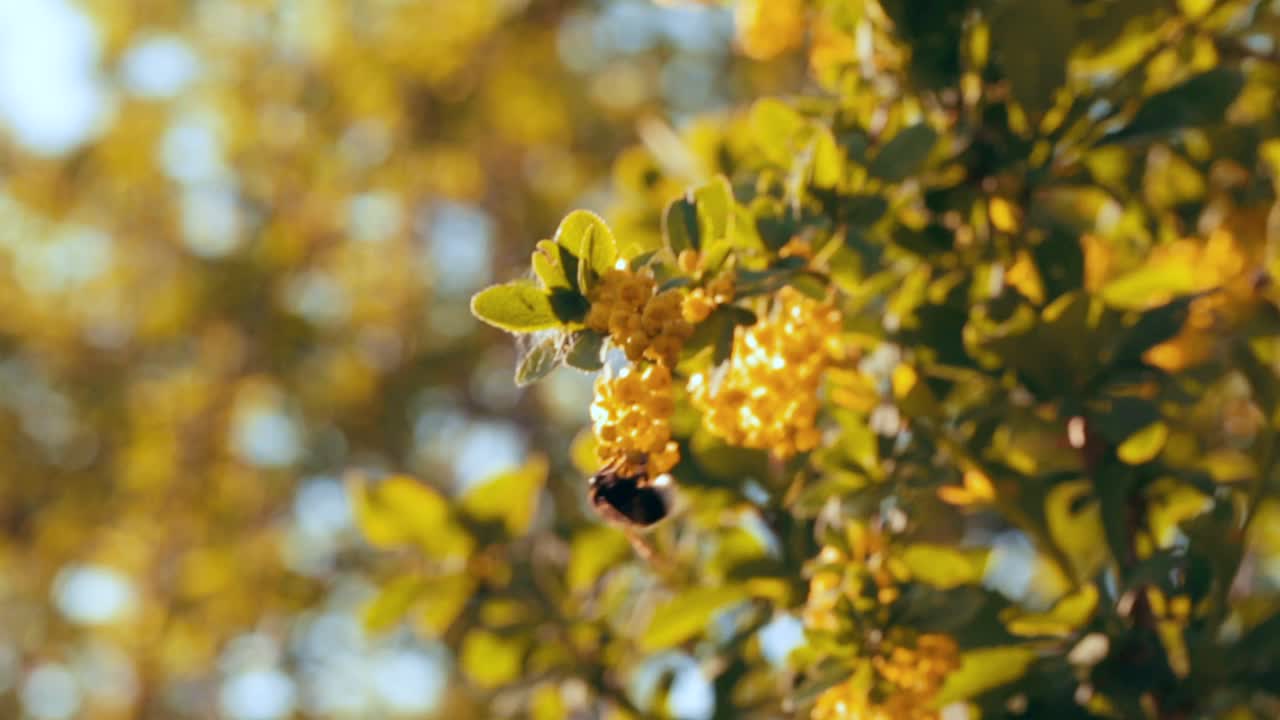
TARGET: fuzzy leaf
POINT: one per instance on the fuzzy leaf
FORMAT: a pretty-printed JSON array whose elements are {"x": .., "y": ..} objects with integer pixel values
[{"x": 517, "y": 307}]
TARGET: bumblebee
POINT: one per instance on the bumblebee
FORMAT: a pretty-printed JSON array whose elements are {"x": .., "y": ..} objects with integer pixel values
[{"x": 624, "y": 494}]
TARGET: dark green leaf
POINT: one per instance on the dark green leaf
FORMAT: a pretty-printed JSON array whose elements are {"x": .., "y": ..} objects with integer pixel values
[
  {"x": 1200, "y": 100},
  {"x": 905, "y": 154},
  {"x": 717, "y": 332},
  {"x": 680, "y": 226},
  {"x": 569, "y": 305},
  {"x": 863, "y": 210},
  {"x": 586, "y": 351},
  {"x": 1152, "y": 328},
  {"x": 1033, "y": 41}
]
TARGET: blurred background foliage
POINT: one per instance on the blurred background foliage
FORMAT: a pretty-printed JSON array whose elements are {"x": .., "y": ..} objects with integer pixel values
[{"x": 239, "y": 238}]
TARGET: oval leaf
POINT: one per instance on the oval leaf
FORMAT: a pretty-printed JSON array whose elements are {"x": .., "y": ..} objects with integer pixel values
[
  {"x": 1200, "y": 100},
  {"x": 515, "y": 307},
  {"x": 491, "y": 660},
  {"x": 1144, "y": 445},
  {"x": 687, "y": 614},
  {"x": 982, "y": 670},
  {"x": 1035, "y": 61},
  {"x": 587, "y": 237},
  {"x": 905, "y": 154},
  {"x": 510, "y": 497}
]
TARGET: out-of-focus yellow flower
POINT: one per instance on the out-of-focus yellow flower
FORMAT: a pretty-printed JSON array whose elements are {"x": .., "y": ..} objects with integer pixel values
[{"x": 768, "y": 28}]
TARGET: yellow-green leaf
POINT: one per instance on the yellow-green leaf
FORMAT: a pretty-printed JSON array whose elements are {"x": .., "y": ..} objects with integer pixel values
[
  {"x": 984, "y": 669},
  {"x": 441, "y": 601},
  {"x": 1151, "y": 285},
  {"x": 491, "y": 660},
  {"x": 595, "y": 550},
  {"x": 583, "y": 452},
  {"x": 400, "y": 511},
  {"x": 548, "y": 704},
  {"x": 775, "y": 127},
  {"x": 548, "y": 267},
  {"x": 586, "y": 235},
  {"x": 391, "y": 603},
  {"x": 1075, "y": 524},
  {"x": 517, "y": 307},
  {"x": 687, "y": 614},
  {"x": 1068, "y": 615},
  {"x": 510, "y": 497},
  {"x": 945, "y": 567},
  {"x": 1144, "y": 445}
]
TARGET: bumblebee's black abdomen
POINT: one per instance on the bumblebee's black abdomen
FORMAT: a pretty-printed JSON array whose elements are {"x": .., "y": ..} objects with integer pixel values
[{"x": 629, "y": 499}]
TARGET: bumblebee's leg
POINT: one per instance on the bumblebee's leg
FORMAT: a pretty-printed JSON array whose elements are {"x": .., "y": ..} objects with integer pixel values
[{"x": 648, "y": 551}]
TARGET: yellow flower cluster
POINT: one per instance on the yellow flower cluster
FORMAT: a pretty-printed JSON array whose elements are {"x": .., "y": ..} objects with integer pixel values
[
  {"x": 914, "y": 675},
  {"x": 642, "y": 323},
  {"x": 631, "y": 415},
  {"x": 920, "y": 670},
  {"x": 769, "y": 397},
  {"x": 768, "y": 28},
  {"x": 847, "y": 701},
  {"x": 867, "y": 575},
  {"x": 700, "y": 302}
]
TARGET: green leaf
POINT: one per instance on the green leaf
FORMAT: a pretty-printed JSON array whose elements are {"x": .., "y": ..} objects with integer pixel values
[
  {"x": 1073, "y": 520},
  {"x": 586, "y": 236},
  {"x": 1262, "y": 379},
  {"x": 1144, "y": 445},
  {"x": 861, "y": 211},
  {"x": 828, "y": 159},
  {"x": 945, "y": 567},
  {"x": 715, "y": 208},
  {"x": 401, "y": 510},
  {"x": 775, "y": 127},
  {"x": 687, "y": 614},
  {"x": 1152, "y": 328},
  {"x": 1149, "y": 284},
  {"x": 1200, "y": 100},
  {"x": 538, "y": 362},
  {"x": 1118, "y": 418},
  {"x": 391, "y": 603},
  {"x": 721, "y": 460},
  {"x": 549, "y": 267},
  {"x": 570, "y": 306},
  {"x": 595, "y": 550},
  {"x": 905, "y": 154},
  {"x": 509, "y": 497},
  {"x": 680, "y": 226},
  {"x": 492, "y": 660},
  {"x": 984, "y": 669},
  {"x": 517, "y": 307},
  {"x": 443, "y": 602},
  {"x": 717, "y": 331},
  {"x": 1034, "y": 40},
  {"x": 586, "y": 350}
]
